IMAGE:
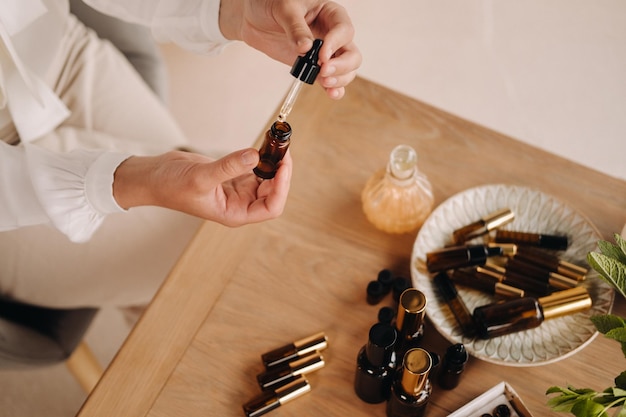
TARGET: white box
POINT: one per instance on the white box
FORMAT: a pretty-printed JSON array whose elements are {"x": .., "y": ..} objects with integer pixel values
[{"x": 502, "y": 393}]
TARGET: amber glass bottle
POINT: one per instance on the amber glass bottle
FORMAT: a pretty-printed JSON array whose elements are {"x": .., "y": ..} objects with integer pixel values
[
  {"x": 273, "y": 149},
  {"x": 411, "y": 389},
  {"x": 398, "y": 198},
  {"x": 376, "y": 364},
  {"x": 502, "y": 318}
]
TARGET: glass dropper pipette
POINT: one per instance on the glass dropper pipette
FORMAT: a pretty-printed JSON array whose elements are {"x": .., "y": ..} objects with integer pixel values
[{"x": 305, "y": 69}]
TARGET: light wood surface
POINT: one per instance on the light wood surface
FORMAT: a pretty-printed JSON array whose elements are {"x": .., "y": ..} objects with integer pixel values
[{"x": 237, "y": 293}]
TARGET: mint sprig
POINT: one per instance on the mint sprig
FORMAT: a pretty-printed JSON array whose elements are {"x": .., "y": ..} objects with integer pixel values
[{"x": 610, "y": 263}]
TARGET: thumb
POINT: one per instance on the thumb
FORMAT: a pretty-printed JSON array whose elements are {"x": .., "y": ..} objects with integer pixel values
[{"x": 233, "y": 165}]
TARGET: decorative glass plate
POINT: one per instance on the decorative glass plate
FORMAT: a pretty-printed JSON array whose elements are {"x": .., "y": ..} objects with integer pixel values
[{"x": 536, "y": 212}]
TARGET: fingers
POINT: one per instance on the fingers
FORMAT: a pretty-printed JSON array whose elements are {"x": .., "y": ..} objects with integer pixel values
[
  {"x": 271, "y": 195},
  {"x": 233, "y": 165},
  {"x": 290, "y": 15}
]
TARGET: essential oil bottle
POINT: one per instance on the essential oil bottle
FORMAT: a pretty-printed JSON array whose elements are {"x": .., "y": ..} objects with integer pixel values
[
  {"x": 540, "y": 240},
  {"x": 463, "y": 256},
  {"x": 450, "y": 295},
  {"x": 501, "y": 318},
  {"x": 410, "y": 319},
  {"x": 411, "y": 389},
  {"x": 376, "y": 364},
  {"x": 452, "y": 366},
  {"x": 482, "y": 226},
  {"x": 273, "y": 149}
]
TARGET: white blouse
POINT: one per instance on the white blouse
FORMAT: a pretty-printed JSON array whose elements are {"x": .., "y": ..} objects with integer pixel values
[{"x": 71, "y": 191}]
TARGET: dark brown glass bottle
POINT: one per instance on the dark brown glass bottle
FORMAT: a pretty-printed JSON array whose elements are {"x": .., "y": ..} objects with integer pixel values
[
  {"x": 411, "y": 389},
  {"x": 410, "y": 319},
  {"x": 511, "y": 316},
  {"x": 462, "y": 256},
  {"x": 273, "y": 149},
  {"x": 452, "y": 366},
  {"x": 556, "y": 242},
  {"x": 376, "y": 364},
  {"x": 450, "y": 295},
  {"x": 482, "y": 226}
]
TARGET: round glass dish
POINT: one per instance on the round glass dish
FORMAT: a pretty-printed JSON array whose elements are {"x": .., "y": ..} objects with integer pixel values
[{"x": 536, "y": 212}]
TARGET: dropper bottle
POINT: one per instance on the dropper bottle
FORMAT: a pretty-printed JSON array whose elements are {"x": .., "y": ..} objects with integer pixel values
[
  {"x": 305, "y": 70},
  {"x": 278, "y": 137}
]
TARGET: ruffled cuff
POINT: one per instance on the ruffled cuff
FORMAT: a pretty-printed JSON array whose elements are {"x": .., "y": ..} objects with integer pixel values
[{"x": 75, "y": 188}]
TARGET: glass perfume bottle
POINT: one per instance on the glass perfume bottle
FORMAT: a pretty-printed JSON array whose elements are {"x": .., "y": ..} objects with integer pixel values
[
  {"x": 376, "y": 363},
  {"x": 273, "y": 150},
  {"x": 398, "y": 198},
  {"x": 411, "y": 389}
]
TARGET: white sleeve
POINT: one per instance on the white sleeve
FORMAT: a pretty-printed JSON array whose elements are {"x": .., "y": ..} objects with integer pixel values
[
  {"x": 72, "y": 191},
  {"x": 191, "y": 24}
]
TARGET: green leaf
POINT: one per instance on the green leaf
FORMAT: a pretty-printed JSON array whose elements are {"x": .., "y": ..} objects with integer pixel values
[
  {"x": 607, "y": 322},
  {"x": 612, "y": 270},
  {"x": 621, "y": 242},
  {"x": 620, "y": 382},
  {"x": 611, "y": 250},
  {"x": 588, "y": 408},
  {"x": 618, "y": 334}
]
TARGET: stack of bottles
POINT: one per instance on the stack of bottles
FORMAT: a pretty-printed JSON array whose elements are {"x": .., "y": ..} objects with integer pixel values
[
  {"x": 393, "y": 366},
  {"x": 522, "y": 270},
  {"x": 284, "y": 377}
]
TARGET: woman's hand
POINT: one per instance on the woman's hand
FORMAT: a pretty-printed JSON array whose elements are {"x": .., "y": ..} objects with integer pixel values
[
  {"x": 284, "y": 29},
  {"x": 224, "y": 190}
]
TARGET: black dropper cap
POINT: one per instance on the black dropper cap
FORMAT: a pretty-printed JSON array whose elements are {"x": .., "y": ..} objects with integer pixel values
[
  {"x": 455, "y": 358},
  {"x": 305, "y": 68},
  {"x": 379, "y": 348}
]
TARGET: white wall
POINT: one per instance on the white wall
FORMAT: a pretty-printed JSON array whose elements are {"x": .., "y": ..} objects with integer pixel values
[{"x": 551, "y": 73}]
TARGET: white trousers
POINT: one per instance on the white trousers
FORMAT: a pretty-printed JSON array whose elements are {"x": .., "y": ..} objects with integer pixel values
[{"x": 130, "y": 255}]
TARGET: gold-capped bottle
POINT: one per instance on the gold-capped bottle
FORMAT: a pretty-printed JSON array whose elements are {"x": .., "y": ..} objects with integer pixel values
[
  {"x": 511, "y": 316},
  {"x": 411, "y": 389},
  {"x": 398, "y": 198}
]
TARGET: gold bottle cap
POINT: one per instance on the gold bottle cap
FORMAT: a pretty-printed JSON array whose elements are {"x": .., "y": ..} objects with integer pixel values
[
  {"x": 561, "y": 303},
  {"x": 571, "y": 270},
  {"x": 498, "y": 218},
  {"x": 492, "y": 270},
  {"x": 411, "y": 310},
  {"x": 507, "y": 291},
  {"x": 508, "y": 249},
  {"x": 293, "y": 390},
  {"x": 307, "y": 364},
  {"x": 416, "y": 366},
  {"x": 561, "y": 282},
  {"x": 318, "y": 341}
]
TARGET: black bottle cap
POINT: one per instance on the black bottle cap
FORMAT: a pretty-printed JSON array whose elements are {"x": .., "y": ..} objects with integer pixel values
[
  {"x": 375, "y": 292},
  {"x": 553, "y": 242},
  {"x": 385, "y": 276},
  {"x": 399, "y": 285},
  {"x": 456, "y": 356},
  {"x": 386, "y": 315},
  {"x": 379, "y": 348},
  {"x": 306, "y": 68}
]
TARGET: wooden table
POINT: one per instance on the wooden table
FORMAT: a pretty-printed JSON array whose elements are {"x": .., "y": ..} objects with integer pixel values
[{"x": 236, "y": 293}]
